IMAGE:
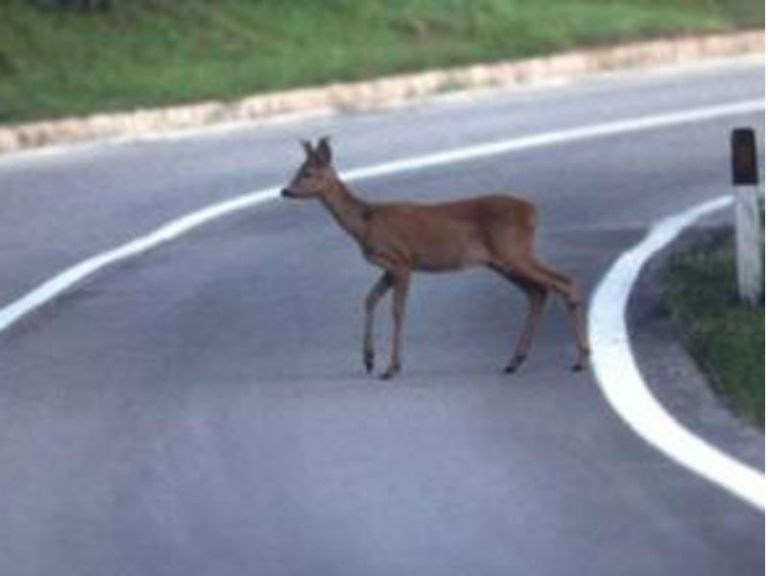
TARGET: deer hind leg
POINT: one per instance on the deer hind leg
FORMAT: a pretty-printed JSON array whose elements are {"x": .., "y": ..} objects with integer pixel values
[
  {"x": 379, "y": 290},
  {"x": 401, "y": 281},
  {"x": 575, "y": 308},
  {"x": 537, "y": 298},
  {"x": 537, "y": 273}
]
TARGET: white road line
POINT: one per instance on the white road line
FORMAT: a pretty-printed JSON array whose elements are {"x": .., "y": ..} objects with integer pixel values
[
  {"x": 641, "y": 411},
  {"x": 620, "y": 379},
  {"x": 567, "y": 136}
]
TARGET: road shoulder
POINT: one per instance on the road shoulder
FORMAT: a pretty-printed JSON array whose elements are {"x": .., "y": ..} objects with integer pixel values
[{"x": 672, "y": 374}]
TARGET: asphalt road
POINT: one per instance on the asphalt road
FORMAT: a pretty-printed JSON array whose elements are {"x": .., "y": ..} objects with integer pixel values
[{"x": 203, "y": 409}]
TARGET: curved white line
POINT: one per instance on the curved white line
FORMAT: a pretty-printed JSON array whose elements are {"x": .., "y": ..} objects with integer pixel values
[
  {"x": 622, "y": 384},
  {"x": 648, "y": 418}
]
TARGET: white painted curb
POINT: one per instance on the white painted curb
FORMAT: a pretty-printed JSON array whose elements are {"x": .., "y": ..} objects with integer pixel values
[{"x": 622, "y": 384}]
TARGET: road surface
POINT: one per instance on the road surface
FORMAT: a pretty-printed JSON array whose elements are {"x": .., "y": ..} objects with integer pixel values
[{"x": 203, "y": 409}]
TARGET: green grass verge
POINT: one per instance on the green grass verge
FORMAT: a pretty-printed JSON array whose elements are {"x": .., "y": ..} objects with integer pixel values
[
  {"x": 157, "y": 52},
  {"x": 726, "y": 337}
]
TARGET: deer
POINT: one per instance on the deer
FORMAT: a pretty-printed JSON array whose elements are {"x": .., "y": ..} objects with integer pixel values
[{"x": 493, "y": 231}]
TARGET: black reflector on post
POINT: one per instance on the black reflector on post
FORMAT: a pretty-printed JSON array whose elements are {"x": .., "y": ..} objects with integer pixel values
[{"x": 744, "y": 157}]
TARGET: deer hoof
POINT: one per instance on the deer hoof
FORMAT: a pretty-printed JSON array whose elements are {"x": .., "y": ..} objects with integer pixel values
[
  {"x": 368, "y": 361},
  {"x": 390, "y": 373},
  {"x": 514, "y": 365},
  {"x": 578, "y": 366}
]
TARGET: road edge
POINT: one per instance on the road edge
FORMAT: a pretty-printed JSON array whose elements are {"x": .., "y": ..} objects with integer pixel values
[
  {"x": 677, "y": 378},
  {"x": 619, "y": 377},
  {"x": 383, "y": 92}
]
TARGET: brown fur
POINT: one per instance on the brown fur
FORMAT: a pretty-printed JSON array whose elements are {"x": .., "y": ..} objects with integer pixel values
[{"x": 492, "y": 231}]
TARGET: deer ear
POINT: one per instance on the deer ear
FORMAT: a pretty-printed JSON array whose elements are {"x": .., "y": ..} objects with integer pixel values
[
  {"x": 307, "y": 148},
  {"x": 323, "y": 150}
]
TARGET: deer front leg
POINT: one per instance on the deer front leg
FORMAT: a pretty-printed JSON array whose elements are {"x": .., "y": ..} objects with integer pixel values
[
  {"x": 383, "y": 284},
  {"x": 401, "y": 280}
]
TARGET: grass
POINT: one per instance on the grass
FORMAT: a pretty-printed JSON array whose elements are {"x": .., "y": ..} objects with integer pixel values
[
  {"x": 726, "y": 337},
  {"x": 156, "y": 52}
]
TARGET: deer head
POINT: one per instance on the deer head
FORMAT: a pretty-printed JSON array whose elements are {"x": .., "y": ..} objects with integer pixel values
[{"x": 316, "y": 173}]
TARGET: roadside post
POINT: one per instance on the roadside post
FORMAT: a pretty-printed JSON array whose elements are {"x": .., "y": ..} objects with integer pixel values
[{"x": 749, "y": 235}]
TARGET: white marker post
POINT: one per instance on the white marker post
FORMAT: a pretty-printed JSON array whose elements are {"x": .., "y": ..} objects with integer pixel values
[{"x": 749, "y": 233}]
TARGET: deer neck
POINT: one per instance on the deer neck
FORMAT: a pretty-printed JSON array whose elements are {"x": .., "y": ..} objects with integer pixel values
[{"x": 348, "y": 210}]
